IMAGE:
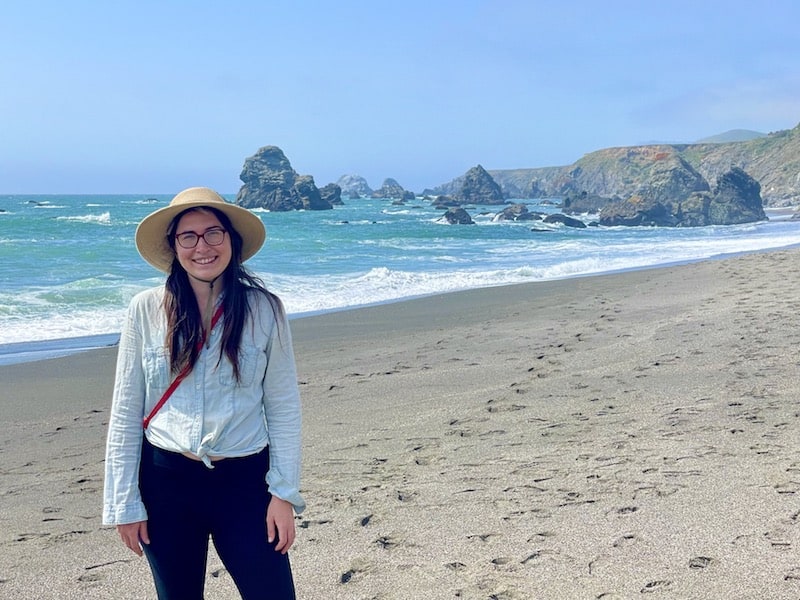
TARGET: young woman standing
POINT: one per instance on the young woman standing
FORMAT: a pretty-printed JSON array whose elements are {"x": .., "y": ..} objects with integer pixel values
[{"x": 204, "y": 434}]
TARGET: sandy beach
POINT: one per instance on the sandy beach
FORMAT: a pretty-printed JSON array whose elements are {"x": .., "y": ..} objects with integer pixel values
[{"x": 602, "y": 437}]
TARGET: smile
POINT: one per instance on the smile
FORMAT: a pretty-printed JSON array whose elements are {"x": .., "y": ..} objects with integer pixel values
[{"x": 205, "y": 261}]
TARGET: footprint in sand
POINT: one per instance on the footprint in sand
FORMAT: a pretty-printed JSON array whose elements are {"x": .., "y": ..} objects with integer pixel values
[
  {"x": 655, "y": 586},
  {"x": 67, "y": 536},
  {"x": 95, "y": 573},
  {"x": 483, "y": 537},
  {"x": 700, "y": 562},
  {"x": 388, "y": 542},
  {"x": 85, "y": 484},
  {"x": 305, "y": 524},
  {"x": 541, "y": 536},
  {"x": 624, "y": 540},
  {"x": 627, "y": 510},
  {"x": 25, "y": 537},
  {"x": 793, "y": 575},
  {"x": 357, "y": 568},
  {"x": 405, "y": 496}
]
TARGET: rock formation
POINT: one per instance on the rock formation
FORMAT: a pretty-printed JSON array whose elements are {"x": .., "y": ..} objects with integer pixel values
[
  {"x": 637, "y": 211},
  {"x": 458, "y": 216},
  {"x": 445, "y": 202},
  {"x": 565, "y": 220},
  {"x": 517, "y": 212},
  {"x": 735, "y": 199},
  {"x": 584, "y": 203},
  {"x": 270, "y": 182},
  {"x": 332, "y": 194},
  {"x": 392, "y": 190},
  {"x": 478, "y": 187},
  {"x": 671, "y": 178},
  {"x": 354, "y": 186}
]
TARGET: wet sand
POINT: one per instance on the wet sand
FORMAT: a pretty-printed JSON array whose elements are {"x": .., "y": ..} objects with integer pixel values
[{"x": 601, "y": 437}]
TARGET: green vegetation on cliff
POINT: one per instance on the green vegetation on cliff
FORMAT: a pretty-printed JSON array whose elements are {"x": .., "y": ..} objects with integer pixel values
[{"x": 772, "y": 160}]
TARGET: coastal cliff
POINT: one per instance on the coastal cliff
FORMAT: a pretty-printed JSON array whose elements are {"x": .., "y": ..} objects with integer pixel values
[{"x": 772, "y": 160}]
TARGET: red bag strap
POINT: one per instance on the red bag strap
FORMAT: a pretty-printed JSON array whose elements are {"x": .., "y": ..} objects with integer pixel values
[{"x": 180, "y": 376}]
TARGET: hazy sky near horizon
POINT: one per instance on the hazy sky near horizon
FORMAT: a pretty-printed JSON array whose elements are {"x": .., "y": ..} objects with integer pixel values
[{"x": 153, "y": 96}]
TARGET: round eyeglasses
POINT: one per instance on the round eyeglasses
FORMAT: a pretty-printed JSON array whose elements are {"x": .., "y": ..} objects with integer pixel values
[{"x": 212, "y": 237}]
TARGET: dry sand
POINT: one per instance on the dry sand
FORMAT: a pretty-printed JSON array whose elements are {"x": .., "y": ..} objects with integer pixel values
[{"x": 602, "y": 437}]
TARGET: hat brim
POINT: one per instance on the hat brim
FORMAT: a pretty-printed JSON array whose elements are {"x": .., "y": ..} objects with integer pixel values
[{"x": 151, "y": 234}]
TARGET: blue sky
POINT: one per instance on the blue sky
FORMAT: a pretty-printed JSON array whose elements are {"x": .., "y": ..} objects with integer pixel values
[{"x": 154, "y": 96}]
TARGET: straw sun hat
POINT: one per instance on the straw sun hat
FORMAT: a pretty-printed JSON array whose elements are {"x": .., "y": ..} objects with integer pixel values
[{"x": 151, "y": 234}]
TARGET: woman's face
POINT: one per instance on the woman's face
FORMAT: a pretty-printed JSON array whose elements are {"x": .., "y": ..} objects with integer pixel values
[{"x": 205, "y": 261}]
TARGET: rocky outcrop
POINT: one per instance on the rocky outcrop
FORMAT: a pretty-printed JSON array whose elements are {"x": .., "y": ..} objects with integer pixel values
[
  {"x": 735, "y": 199},
  {"x": 671, "y": 178},
  {"x": 585, "y": 203},
  {"x": 517, "y": 212},
  {"x": 332, "y": 194},
  {"x": 516, "y": 183},
  {"x": 392, "y": 190},
  {"x": 270, "y": 182},
  {"x": 445, "y": 202},
  {"x": 565, "y": 220},
  {"x": 458, "y": 216},
  {"x": 637, "y": 211},
  {"x": 478, "y": 187},
  {"x": 354, "y": 186},
  {"x": 773, "y": 161}
]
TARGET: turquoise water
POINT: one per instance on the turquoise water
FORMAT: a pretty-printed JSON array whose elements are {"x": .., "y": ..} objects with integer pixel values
[{"x": 68, "y": 264}]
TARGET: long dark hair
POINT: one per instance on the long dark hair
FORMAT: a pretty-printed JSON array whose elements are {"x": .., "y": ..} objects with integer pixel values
[{"x": 184, "y": 321}]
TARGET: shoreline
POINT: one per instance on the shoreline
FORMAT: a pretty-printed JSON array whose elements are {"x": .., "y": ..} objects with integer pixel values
[
  {"x": 601, "y": 436},
  {"x": 12, "y": 353}
]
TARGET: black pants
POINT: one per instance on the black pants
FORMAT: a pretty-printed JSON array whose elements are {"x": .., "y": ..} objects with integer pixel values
[{"x": 187, "y": 502}]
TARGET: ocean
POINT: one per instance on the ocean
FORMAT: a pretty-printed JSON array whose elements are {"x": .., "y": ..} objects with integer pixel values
[{"x": 69, "y": 266}]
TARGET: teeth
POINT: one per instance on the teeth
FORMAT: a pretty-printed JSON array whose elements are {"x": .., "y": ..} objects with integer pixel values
[{"x": 204, "y": 261}]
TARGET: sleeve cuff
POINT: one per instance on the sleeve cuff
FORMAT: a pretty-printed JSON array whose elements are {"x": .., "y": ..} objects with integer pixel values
[
  {"x": 281, "y": 488},
  {"x": 122, "y": 515}
]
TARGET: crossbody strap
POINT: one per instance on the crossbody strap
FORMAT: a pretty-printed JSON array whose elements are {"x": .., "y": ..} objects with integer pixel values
[{"x": 180, "y": 376}]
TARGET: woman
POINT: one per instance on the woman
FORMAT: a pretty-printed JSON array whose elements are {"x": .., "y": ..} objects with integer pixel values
[{"x": 204, "y": 433}]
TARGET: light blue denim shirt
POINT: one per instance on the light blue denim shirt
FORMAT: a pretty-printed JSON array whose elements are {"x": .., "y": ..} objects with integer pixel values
[{"x": 209, "y": 414}]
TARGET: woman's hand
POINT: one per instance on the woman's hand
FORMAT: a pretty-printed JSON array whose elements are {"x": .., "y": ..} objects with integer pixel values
[
  {"x": 134, "y": 535},
  {"x": 280, "y": 520}
]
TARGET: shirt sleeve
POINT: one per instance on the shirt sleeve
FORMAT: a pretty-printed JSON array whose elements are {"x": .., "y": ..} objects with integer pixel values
[
  {"x": 283, "y": 416},
  {"x": 122, "y": 501}
]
